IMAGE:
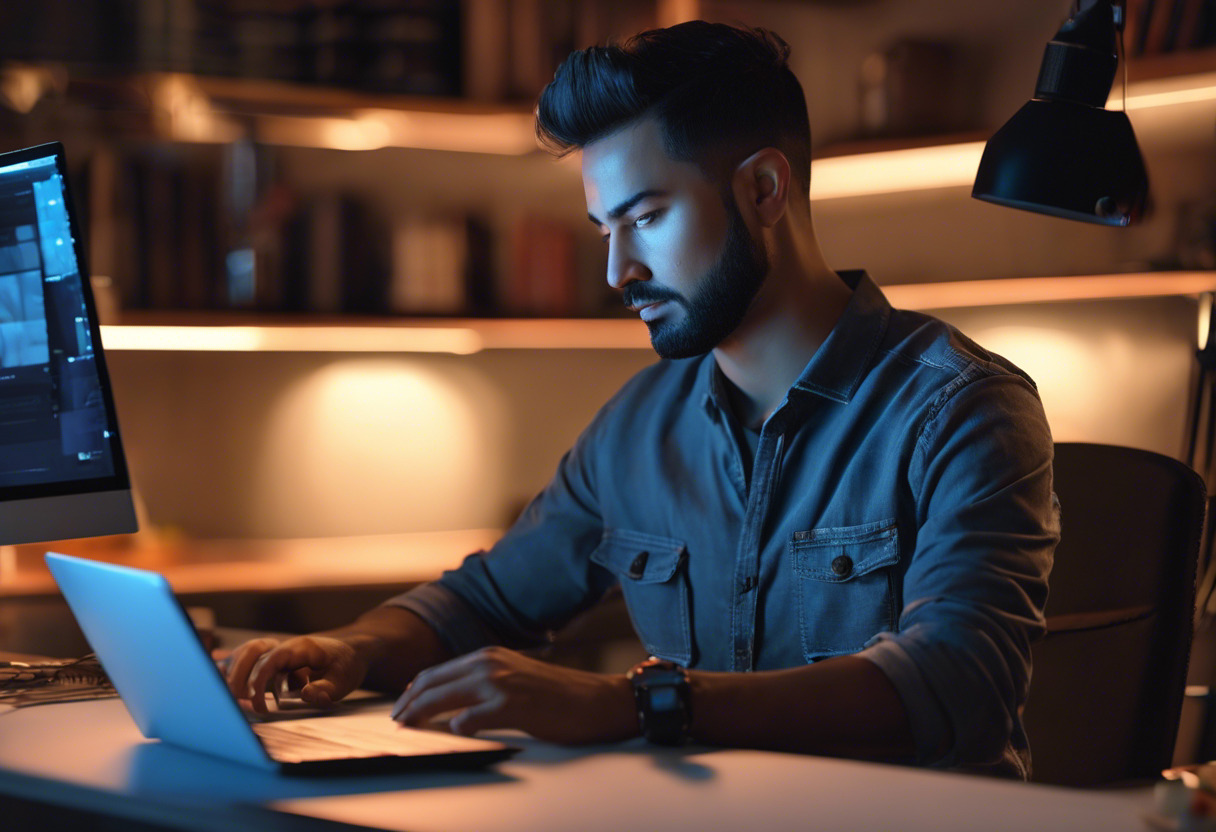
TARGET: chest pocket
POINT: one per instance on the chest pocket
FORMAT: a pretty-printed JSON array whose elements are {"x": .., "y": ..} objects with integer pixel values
[
  {"x": 845, "y": 586},
  {"x": 655, "y": 586}
]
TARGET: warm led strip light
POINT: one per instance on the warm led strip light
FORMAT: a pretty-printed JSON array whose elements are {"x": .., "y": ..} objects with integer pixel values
[
  {"x": 1166, "y": 92},
  {"x": 465, "y": 337},
  {"x": 503, "y": 134},
  {"x": 891, "y": 171},
  {"x": 457, "y": 340},
  {"x": 1010, "y": 291}
]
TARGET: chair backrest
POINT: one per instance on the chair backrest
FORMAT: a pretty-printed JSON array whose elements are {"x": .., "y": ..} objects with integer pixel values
[{"x": 1109, "y": 677}]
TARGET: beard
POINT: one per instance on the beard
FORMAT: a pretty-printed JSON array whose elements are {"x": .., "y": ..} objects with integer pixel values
[{"x": 720, "y": 303}]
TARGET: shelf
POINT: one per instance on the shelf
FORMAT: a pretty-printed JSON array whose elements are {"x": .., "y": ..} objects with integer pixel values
[
  {"x": 297, "y": 115},
  {"x": 258, "y": 96},
  {"x": 1019, "y": 290},
  {"x": 211, "y": 110},
  {"x": 220, "y": 332},
  {"x": 196, "y": 566}
]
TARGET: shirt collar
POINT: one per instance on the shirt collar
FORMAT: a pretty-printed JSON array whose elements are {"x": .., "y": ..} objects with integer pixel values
[{"x": 842, "y": 360}]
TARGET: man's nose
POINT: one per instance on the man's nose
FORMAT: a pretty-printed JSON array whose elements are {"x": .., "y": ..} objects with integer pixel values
[{"x": 624, "y": 267}]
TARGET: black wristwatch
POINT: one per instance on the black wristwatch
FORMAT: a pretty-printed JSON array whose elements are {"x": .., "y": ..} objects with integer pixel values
[{"x": 660, "y": 689}]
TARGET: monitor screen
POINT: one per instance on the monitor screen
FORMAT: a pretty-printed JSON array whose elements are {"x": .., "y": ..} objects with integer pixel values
[{"x": 62, "y": 469}]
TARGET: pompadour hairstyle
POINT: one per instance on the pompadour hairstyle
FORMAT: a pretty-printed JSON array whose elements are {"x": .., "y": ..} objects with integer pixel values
[{"x": 719, "y": 92}]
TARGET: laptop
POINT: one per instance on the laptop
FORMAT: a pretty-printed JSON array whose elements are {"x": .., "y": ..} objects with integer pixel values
[{"x": 175, "y": 692}]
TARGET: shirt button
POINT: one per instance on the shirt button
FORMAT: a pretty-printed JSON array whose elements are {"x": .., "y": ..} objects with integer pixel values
[
  {"x": 638, "y": 567},
  {"x": 842, "y": 566}
]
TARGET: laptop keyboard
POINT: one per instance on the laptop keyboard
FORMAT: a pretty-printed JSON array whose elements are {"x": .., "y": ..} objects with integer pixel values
[{"x": 352, "y": 736}]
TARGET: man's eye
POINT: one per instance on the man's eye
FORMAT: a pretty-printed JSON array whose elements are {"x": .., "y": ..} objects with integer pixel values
[{"x": 646, "y": 219}]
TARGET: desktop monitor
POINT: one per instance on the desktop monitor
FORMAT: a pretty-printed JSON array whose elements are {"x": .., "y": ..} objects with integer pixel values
[{"x": 62, "y": 469}]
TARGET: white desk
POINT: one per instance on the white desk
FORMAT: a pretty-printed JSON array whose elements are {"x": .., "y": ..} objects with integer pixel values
[{"x": 90, "y": 755}]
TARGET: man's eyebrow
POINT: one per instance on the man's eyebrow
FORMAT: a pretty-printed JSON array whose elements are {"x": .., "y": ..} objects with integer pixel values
[{"x": 619, "y": 210}]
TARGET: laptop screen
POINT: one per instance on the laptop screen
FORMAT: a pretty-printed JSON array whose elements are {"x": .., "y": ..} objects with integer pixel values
[{"x": 58, "y": 431}]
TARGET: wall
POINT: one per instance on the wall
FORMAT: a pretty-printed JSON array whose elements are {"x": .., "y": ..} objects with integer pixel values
[
  {"x": 1117, "y": 372},
  {"x": 291, "y": 445}
]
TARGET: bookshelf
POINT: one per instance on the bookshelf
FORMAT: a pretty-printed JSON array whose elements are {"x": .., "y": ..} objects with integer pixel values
[
  {"x": 169, "y": 129},
  {"x": 179, "y": 121}
]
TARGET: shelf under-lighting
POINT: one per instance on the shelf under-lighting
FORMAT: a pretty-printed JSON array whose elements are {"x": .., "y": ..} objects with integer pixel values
[
  {"x": 188, "y": 108},
  {"x": 1006, "y": 292},
  {"x": 456, "y": 336},
  {"x": 894, "y": 171},
  {"x": 467, "y": 336},
  {"x": 222, "y": 338}
]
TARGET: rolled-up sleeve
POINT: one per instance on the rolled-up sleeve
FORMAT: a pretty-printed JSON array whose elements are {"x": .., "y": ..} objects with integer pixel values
[{"x": 976, "y": 585}]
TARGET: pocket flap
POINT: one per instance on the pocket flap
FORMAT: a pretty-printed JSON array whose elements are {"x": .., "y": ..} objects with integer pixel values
[
  {"x": 639, "y": 557},
  {"x": 846, "y": 552}
]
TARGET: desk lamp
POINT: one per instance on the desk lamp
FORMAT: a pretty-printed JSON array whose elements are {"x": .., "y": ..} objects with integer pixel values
[{"x": 1064, "y": 154}]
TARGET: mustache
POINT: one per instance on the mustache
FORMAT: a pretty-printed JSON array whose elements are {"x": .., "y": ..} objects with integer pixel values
[{"x": 641, "y": 294}]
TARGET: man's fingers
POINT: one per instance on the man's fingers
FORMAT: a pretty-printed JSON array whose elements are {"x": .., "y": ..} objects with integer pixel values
[
  {"x": 267, "y": 672},
  {"x": 482, "y": 717},
  {"x": 461, "y": 669},
  {"x": 241, "y": 662},
  {"x": 418, "y": 706},
  {"x": 316, "y": 669},
  {"x": 320, "y": 692}
]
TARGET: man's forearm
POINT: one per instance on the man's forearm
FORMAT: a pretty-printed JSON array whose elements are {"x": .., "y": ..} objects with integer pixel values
[
  {"x": 396, "y": 645},
  {"x": 845, "y": 706}
]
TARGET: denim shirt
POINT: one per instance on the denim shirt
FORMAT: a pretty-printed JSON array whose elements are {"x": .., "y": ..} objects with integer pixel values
[{"x": 899, "y": 507}]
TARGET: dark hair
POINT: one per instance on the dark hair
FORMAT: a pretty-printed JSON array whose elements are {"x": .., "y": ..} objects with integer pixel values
[{"x": 719, "y": 92}]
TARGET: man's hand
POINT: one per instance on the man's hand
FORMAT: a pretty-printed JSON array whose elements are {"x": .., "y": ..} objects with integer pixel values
[
  {"x": 322, "y": 669},
  {"x": 381, "y": 650},
  {"x": 499, "y": 688}
]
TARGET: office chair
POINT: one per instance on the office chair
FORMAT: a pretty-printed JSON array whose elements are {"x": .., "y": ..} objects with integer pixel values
[{"x": 1109, "y": 676}]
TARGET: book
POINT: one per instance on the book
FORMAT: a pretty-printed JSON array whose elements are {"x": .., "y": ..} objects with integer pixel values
[
  {"x": 542, "y": 277},
  {"x": 429, "y": 266}
]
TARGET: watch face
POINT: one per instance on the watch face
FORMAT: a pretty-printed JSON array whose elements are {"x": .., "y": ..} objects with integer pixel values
[
  {"x": 661, "y": 689},
  {"x": 664, "y": 698}
]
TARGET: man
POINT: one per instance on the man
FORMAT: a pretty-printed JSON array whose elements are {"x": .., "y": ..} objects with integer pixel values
[{"x": 831, "y": 521}]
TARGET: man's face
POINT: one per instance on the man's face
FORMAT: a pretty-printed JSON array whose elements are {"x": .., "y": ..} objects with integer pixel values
[{"x": 683, "y": 260}]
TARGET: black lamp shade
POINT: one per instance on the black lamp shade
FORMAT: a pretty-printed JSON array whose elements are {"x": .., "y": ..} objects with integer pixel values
[
  {"x": 1068, "y": 160},
  {"x": 1063, "y": 153}
]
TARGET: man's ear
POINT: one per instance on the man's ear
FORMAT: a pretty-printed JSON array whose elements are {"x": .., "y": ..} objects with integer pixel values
[{"x": 761, "y": 184}]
